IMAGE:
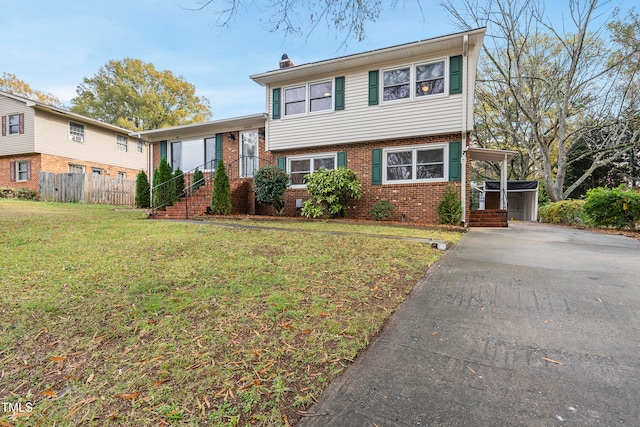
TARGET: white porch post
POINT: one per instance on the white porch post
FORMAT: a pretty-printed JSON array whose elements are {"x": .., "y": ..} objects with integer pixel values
[{"x": 503, "y": 183}]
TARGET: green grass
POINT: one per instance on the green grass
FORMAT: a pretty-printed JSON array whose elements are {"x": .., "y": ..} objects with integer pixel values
[{"x": 110, "y": 319}]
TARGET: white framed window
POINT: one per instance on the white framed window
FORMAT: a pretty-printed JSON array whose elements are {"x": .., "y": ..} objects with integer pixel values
[
  {"x": 22, "y": 170},
  {"x": 139, "y": 146},
  {"x": 416, "y": 164},
  {"x": 298, "y": 167},
  {"x": 76, "y": 132},
  {"x": 14, "y": 124},
  {"x": 426, "y": 79},
  {"x": 122, "y": 143},
  {"x": 76, "y": 168},
  {"x": 97, "y": 171},
  {"x": 122, "y": 175},
  {"x": 308, "y": 98}
]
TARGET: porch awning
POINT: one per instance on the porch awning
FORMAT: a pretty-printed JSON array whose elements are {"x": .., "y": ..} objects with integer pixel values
[{"x": 489, "y": 154}]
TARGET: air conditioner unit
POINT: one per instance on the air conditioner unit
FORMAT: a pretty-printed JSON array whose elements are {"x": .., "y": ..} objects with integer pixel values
[{"x": 77, "y": 138}]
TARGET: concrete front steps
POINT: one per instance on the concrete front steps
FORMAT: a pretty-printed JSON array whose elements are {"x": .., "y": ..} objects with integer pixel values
[
  {"x": 198, "y": 203},
  {"x": 488, "y": 218}
]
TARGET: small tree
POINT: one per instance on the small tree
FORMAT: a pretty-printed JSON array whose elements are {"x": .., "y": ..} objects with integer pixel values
[
  {"x": 178, "y": 184},
  {"x": 221, "y": 196},
  {"x": 381, "y": 210},
  {"x": 163, "y": 185},
  {"x": 142, "y": 190},
  {"x": 270, "y": 184},
  {"x": 198, "y": 179},
  {"x": 450, "y": 207},
  {"x": 331, "y": 191}
]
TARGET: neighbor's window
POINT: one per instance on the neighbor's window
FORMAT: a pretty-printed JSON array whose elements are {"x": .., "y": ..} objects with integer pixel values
[
  {"x": 396, "y": 84},
  {"x": 139, "y": 146},
  {"x": 76, "y": 132},
  {"x": 430, "y": 78},
  {"x": 14, "y": 124},
  {"x": 320, "y": 96},
  {"x": 97, "y": 171},
  {"x": 121, "y": 143},
  {"x": 22, "y": 170},
  {"x": 415, "y": 164},
  {"x": 76, "y": 168},
  {"x": 122, "y": 175},
  {"x": 299, "y": 167}
]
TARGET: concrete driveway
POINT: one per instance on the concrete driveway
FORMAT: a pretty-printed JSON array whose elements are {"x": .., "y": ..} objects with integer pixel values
[{"x": 526, "y": 326}]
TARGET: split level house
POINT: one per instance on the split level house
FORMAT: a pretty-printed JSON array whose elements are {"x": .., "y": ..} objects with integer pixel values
[
  {"x": 37, "y": 137},
  {"x": 400, "y": 117}
]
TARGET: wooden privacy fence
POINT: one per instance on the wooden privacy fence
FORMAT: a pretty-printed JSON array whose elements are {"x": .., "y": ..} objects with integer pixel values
[{"x": 86, "y": 188}]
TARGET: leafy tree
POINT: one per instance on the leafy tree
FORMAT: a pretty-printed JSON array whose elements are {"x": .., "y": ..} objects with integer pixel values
[
  {"x": 142, "y": 190},
  {"x": 450, "y": 207},
  {"x": 11, "y": 84},
  {"x": 134, "y": 95},
  {"x": 163, "y": 191},
  {"x": 178, "y": 184},
  {"x": 221, "y": 196},
  {"x": 553, "y": 88},
  {"x": 331, "y": 191},
  {"x": 270, "y": 183}
]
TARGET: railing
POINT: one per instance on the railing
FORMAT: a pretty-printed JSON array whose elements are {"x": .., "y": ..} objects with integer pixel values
[{"x": 165, "y": 193}]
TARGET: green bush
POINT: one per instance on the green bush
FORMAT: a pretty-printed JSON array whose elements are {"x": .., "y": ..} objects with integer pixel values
[
  {"x": 270, "y": 184},
  {"x": 163, "y": 185},
  {"x": 198, "y": 179},
  {"x": 450, "y": 207},
  {"x": 618, "y": 207},
  {"x": 221, "y": 196},
  {"x": 562, "y": 212},
  {"x": 178, "y": 184},
  {"x": 18, "y": 193},
  {"x": 331, "y": 191},
  {"x": 381, "y": 210},
  {"x": 142, "y": 191}
]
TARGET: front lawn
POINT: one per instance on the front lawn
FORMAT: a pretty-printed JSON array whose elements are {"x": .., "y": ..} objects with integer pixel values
[{"x": 111, "y": 319}]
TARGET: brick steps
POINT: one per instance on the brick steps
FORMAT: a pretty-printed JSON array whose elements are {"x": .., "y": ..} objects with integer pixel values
[{"x": 488, "y": 218}]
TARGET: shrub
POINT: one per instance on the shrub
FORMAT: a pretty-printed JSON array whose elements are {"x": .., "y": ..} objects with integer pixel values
[
  {"x": 618, "y": 207},
  {"x": 163, "y": 185},
  {"x": 178, "y": 184},
  {"x": 562, "y": 212},
  {"x": 331, "y": 191},
  {"x": 270, "y": 183},
  {"x": 381, "y": 210},
  {"x": 198, "y": 179},
  {"x": 142, "y": 191},
  {"x": 221, "y": 196},
  {"x": 450, "y": 207},
  {"x": 18, "y": 193}
]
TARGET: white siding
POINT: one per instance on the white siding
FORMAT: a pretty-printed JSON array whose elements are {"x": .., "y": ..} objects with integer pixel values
[
  {"x": 22, "y": 143},
  {"x": 52, "y": 136},
  {"x": 359, "y": 122}
]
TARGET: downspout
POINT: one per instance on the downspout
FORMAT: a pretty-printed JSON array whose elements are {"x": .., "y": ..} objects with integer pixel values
[{"x": 463, "y": 143}]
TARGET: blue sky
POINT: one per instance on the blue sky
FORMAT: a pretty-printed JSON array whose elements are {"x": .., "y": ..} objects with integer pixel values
[{"x": 53, "y": 44}]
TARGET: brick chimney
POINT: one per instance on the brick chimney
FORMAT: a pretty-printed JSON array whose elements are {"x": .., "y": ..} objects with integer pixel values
[{"x": 285, "y": 62}]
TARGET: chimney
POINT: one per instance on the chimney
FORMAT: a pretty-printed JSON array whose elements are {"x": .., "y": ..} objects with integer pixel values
[{"x": 285, "y": 62}]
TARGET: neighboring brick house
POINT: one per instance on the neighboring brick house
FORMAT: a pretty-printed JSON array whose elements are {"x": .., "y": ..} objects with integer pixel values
[
  {"x": 38, "y": 137},
  {"x": 400, "y": 117}
]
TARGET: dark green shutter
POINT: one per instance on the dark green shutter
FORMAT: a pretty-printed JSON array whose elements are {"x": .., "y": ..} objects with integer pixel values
[
  {"x": 376, "y": 166},
  {"x": 342, "y": 159},
  {"x": 163, "y": 150},
  {"x": 218, "y": 149},
  {"x": 282, "y": 163},
  {"x": 373, "y": 87},
  {"x": 339, "y": 93},
  {"x": 275, "y": 114},
  {"x": 455, "y": 74},
  {"x": 455, "y": 166}
]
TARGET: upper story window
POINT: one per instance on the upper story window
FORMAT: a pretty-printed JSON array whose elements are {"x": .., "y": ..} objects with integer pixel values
[
  {"x": 139, "y": 146},
  {"x": 13, "y": 124},
  {"x": 301, "y": 166},
  {"x": 410, "y": 164},
  {"x": 308, "y": 98},
  {"x": 121, "y": 143},
  {"x": 427, "y": 79},
  {"x": 76, "y": 132}
]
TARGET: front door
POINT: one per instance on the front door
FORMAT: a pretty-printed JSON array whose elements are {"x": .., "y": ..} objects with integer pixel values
[{"x": 248, "y": 153}]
